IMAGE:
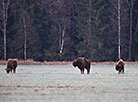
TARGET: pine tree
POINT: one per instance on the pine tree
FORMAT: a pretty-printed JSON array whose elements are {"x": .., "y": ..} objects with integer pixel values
[
  {"x": 92, "y": 27},
  {"x": 26, "y": 40}
]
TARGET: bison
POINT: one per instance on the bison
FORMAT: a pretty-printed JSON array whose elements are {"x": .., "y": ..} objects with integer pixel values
[
  {"x": 11, "y": 65},
  {"x": 120, "y": 66},
  {"x": 82, "y": 63}
]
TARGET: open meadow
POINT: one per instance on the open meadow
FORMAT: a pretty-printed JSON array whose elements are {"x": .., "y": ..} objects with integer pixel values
[{"x": 64, "y": 83}]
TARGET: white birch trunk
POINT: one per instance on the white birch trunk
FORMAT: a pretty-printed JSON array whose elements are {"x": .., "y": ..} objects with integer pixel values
[
  {"x": 25, "y": 37},
  {"x": 62, "y": 41},
  {"x": 5, "y": 17},
  {"x": 130, "y": 33},
  {"x": 89, "y": 22},
  {"x": 119, "y": 28},
  {"x": 130, "y": 41}
]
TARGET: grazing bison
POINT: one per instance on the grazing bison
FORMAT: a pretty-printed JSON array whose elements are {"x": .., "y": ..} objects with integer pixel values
[
  {"x": 120, "y": 66},
  {"x": 11, "y": 65},
  {"x": 82, "y": 63}
]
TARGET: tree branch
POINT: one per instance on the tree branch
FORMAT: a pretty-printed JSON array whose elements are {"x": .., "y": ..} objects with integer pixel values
[
  {"x": 1, "y": 29},
  {"x": 128, "y": 4}
]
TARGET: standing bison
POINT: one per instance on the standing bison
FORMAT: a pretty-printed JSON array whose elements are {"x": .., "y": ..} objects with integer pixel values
[
  {"x": 11, "y": 65},
  {"x": 82, "y": 63},
  {"x": 120, "y": 66}
]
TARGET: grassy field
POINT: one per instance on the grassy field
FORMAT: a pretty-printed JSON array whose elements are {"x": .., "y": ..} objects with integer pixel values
[{"x": 64, "y": 83}]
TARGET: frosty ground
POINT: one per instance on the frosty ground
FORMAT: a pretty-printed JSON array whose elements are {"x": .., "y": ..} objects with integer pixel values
[{"x": 64, "y": 83}]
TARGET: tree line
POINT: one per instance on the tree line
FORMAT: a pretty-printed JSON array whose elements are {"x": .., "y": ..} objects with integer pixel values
[{"x": 57, "y": 30}]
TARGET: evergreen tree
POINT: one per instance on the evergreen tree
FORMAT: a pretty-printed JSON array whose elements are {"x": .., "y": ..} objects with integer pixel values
[
  {"x": 55, "y": 30},
  {"x": 92, "y": 30},
  {"x": 24, "y": 10}
]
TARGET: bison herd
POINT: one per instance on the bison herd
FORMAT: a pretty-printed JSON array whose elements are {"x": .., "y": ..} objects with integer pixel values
[{"x": 81, "y": 62}]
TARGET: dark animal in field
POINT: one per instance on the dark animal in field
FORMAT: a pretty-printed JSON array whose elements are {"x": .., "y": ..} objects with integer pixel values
[
  {"x": 120, "y": 66},
  {"x": 11, "y": 65},
  {"x": 82, "y": 63}
]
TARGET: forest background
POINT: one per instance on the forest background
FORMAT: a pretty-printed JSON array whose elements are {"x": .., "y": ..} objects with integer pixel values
[{"x": 62, "y": 30}]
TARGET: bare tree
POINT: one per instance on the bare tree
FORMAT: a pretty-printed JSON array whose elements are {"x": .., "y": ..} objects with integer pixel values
[
  {"x": 130, "y": 5},
  {"x": 119, "y": 20},
  {"x": 119, "y": 27},
  {"x": 115, "y": 19},
  {"x": 62, "y": 40},
  {"x": 4, "y": 12},
  {"x": 90, "y": 16},
  {"x": 27, "y": 30},
  {"x": 90, "y": 19},
  {"x": 63, "y": 21},
  {"x": 25, "y": 33}
]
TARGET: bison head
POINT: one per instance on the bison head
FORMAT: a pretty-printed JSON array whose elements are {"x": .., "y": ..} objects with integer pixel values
[
  {"x": 7, "y": 70},
  {"x": 75, "y": 63}
]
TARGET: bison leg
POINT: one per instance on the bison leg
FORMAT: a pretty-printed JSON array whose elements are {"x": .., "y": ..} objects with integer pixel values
[
  {"x": 14, "y": 70},
  {"x": 11, "y": 70},
  {"x": 88, "y": 71},
  {"x": 82, "y": 71},
  {"x": 119, "y": 71},
  {"x": 123, "y": 69}
]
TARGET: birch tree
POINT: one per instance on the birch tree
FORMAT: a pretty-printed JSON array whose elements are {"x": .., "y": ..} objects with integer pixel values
[
  {"x": 25, "y": 33},
  {"x": 4, "y": 17},
  {"x": 119, "y": 27},
  {"x": 130, "y": 6},
  {"x": 119, "y": 20},
  {"x": 23, "y": 18},
  {"x": 58, "y": 14},
  {"x": 63, "y": 22},
  {"x": 26, "y": 40},
  {"x": 62, "y": 40}
]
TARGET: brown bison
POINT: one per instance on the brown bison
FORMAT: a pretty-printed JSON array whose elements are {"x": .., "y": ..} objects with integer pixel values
[
  {"x": 11, "y": 65},
  {"x": 82, "y": 63},
  {"x": 120, "y": 66}
]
